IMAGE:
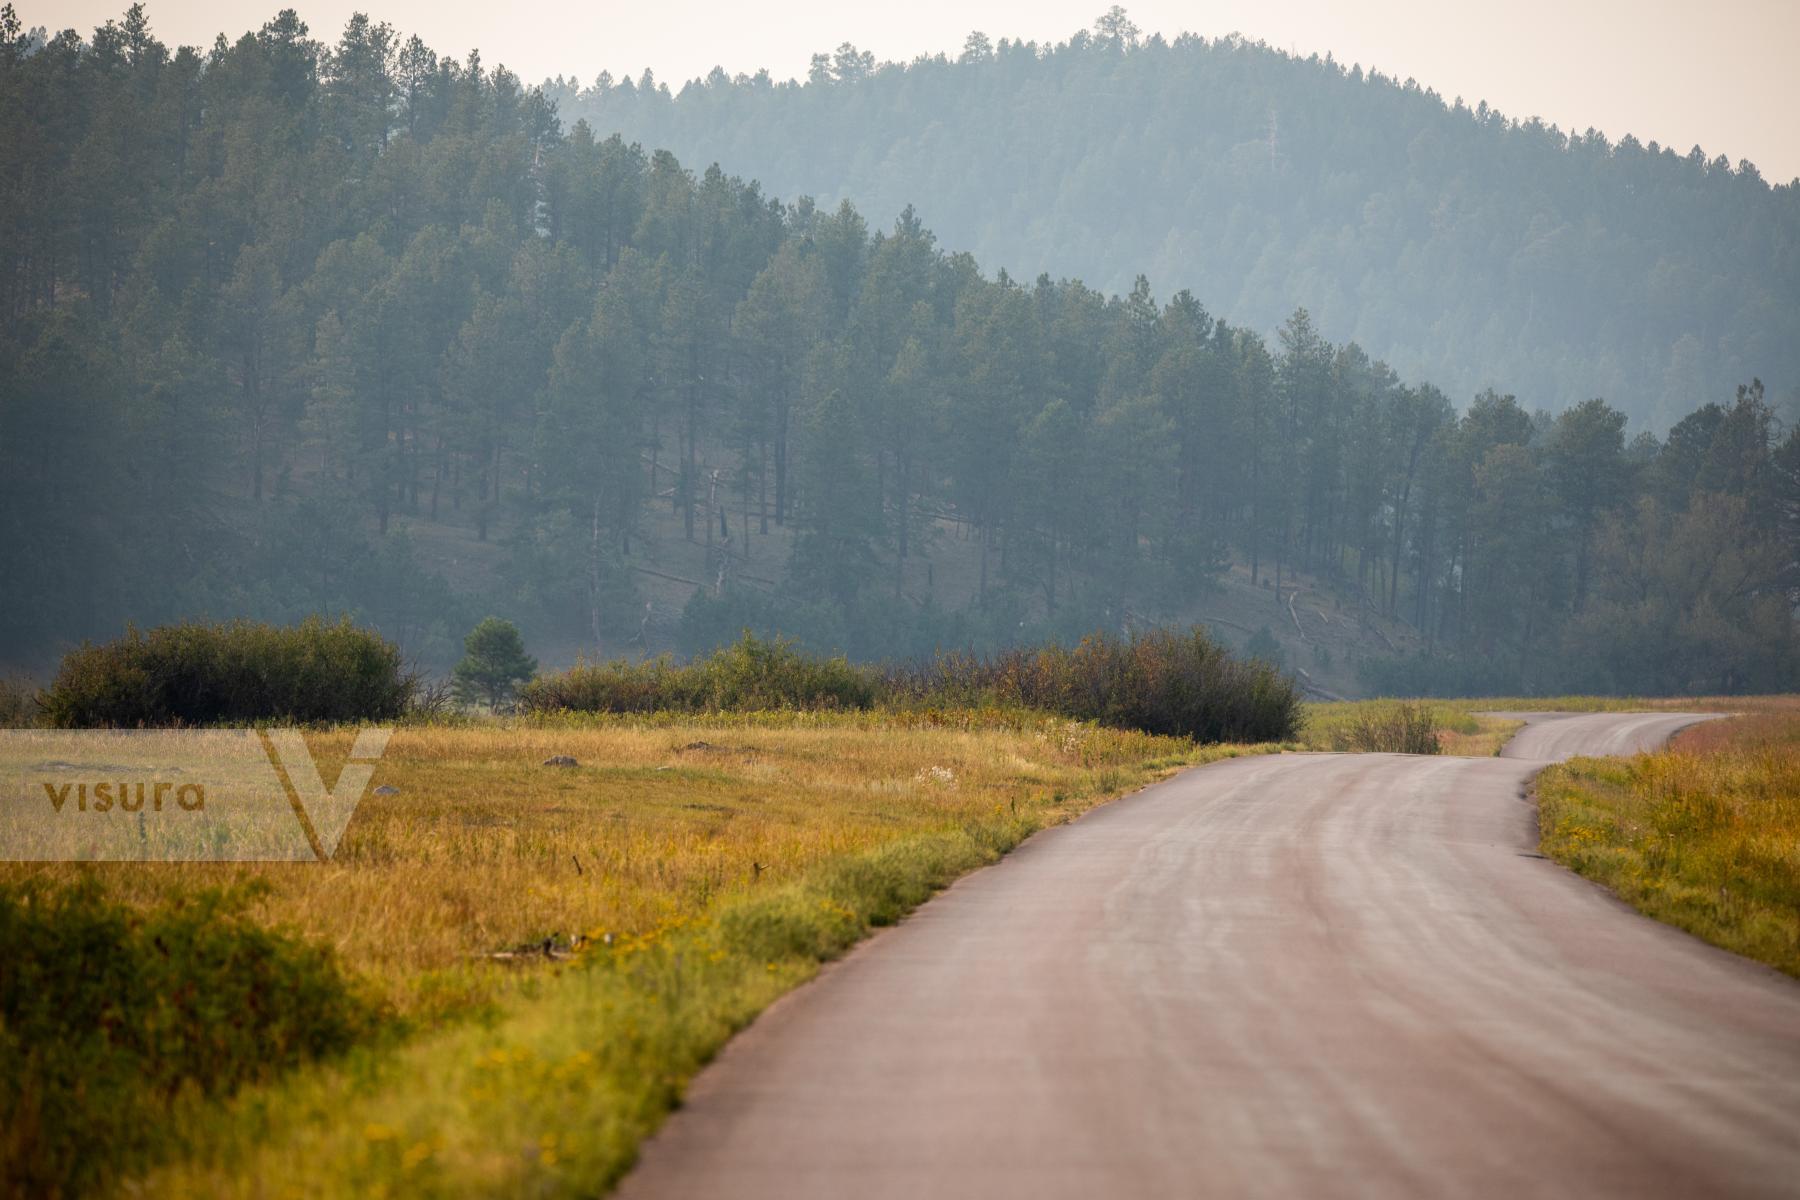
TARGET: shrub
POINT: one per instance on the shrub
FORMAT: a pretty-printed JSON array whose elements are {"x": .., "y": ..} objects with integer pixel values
[
  {"x": 1402, "y": 727},
  {"x": 433, "y": 700},
  {"x": 199, "y": 674},
  {"x": 1184, "y": 684},
  {"x": 108, "y": 1015},
  {"x": 750, "y": 674},
  {"x": 754, "y": 673},
  {"x": 614, "y": 687},
  {"x": 1167, "y": 682}
]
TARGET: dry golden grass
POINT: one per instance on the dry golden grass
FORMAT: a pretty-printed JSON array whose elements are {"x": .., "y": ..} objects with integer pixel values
[
  {"x": 720, "y": 861},
  {"x": 1704, "y": 835},
  {"x": 483, "y": 849}
]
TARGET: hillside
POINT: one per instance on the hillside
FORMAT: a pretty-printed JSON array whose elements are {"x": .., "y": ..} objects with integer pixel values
[
  {"x": 1446, "y": 239},
  {"x": 291, "y": 327},
  {"x": 1316, "y": 627}
]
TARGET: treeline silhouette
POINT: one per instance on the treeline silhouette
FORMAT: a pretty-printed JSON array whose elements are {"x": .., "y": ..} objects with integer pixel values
[{"x": 291, "y": 327}]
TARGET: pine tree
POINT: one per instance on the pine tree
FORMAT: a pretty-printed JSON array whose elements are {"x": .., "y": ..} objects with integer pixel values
[{"x": 494, "y": 663}]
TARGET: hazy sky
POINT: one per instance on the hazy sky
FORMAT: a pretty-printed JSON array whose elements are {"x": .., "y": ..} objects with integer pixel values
[{"x": 1719, "y": 73}]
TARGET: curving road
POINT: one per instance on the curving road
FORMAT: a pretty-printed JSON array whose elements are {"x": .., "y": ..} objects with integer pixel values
[
  {"x": 1552, "y": 737},
  {"x": 1304, "y": 975}
]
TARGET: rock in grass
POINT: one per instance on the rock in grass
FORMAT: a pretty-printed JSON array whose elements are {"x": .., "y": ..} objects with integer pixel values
[
  {"x": 387, "y": 789},
  {"x": 561, "y": 760}
]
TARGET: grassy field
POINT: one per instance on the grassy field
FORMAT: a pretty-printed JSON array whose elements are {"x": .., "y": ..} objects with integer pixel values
[
  {"x": 1704, "y": 835},
  {"x": 557, "y": 950}
]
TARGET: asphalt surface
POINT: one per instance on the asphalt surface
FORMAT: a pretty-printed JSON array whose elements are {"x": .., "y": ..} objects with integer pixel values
[{"x": 1304, "y": 975}]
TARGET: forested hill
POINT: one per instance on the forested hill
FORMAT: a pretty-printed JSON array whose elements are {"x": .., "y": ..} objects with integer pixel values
[
  {"x": 292, "y": 326},
  {"x": 1451, "y": 242}
]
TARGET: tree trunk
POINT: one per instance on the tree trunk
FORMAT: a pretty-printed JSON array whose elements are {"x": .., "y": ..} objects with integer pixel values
[
  {"x": 781, "y": 463},
  {"x": 437, "y": 477},
  {"x": 984, "y": 563},
  {"x": 762, "y": 488},
  {"x": 686, "y": 488},
  {"x": 900, "y": 549},
  {"x": 594, "y": 578}
]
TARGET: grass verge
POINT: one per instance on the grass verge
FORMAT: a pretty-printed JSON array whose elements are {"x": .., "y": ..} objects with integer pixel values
[
  {"x": 1704, "y": 835},
  {"x": 560, "y": 949}
]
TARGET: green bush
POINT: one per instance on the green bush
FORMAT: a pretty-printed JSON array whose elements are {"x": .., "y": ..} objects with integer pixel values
[
  {"x": 748, "y": 675},
  {"x": 198, "y": 674},
  {"x": 754, "y": 673},
  {"x": 1185, "y": 684},
  {"x": 1166, "y": 682},
  {"x": 108, "y": 1015},
  {"x": 614, "y": 687}
]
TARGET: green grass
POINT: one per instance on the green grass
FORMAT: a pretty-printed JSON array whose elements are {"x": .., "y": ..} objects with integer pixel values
[{"x": 1704, "y": 835}]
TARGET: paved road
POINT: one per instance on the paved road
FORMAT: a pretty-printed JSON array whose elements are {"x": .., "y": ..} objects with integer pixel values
[
  {"x": 1552, "y": 737},
  {"x": 1307, "y": 975}
]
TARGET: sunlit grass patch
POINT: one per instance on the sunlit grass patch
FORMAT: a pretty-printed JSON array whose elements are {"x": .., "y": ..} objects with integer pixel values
[{"x": 1704, "y": 835}]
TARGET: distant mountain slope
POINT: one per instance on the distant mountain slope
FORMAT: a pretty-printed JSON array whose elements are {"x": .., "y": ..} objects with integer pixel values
[{"x": 1454, "y": 243}]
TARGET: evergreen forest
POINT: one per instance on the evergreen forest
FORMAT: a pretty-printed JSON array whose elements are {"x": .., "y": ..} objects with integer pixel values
[
  {"x": 1454, "y": 242},
  {"x": 301, "y": 323}
]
